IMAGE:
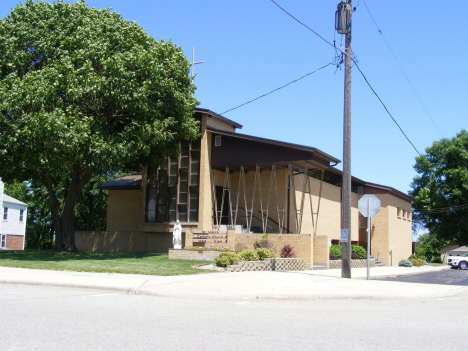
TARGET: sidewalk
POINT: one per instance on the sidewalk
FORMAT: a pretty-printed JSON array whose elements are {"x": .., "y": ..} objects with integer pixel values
[{"x": 301, "y": 285}]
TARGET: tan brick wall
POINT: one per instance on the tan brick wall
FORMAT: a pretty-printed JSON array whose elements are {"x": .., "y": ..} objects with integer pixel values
[
  {"x": 379, "y": 237},
  {"x": 14, "y": 242},
  {"x": 123, "y": 210},
  {"x": 136, "y": 242},
  {"x": 205, "y": 215},
  {"x": 400, "y": 230},
  {"x": 302, "y": 243},
  {"x": 321, "y": 250}
]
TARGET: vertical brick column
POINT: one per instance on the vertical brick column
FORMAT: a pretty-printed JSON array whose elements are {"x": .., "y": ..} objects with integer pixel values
[{"x": 321, "y": 250}]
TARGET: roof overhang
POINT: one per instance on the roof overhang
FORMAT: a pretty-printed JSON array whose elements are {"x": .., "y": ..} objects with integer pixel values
[
  {"x": 131, "y": 182},
  {"x": 238, "y": 150},
  {"x": 221, "y": 118}
]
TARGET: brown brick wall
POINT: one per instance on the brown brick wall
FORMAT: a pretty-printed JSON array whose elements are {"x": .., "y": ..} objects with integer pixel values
[{"x": 14, "y": 242}]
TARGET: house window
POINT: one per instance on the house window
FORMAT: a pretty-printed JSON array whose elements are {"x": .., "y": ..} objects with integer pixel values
[
  {"x": 21, "y": 215},
  {"x": 3, "y": 241},
  {"x": 398, "y": 211},
  {"x": 404, "y": 214},
  {"x": 172, "y": 188},
  {"x": 5, "y": 213}
]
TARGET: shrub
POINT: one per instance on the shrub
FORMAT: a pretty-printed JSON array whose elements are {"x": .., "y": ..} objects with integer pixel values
[
  {"x": 336, "y": 250},
  {"x": 412, "y": 257},
  {"x": 359, "y": 250},
  {"x": 417, "y": 262},
  {"x": 265, "y": 253},
  {"x": 332, "y": 257},
  {"x": 264, "y": 243},
  {"x": 354, "y": 256},
  {"x": 437, "y": 260},
  {"x": 287, "y": 251},
  {"x": 240, "y": 247},
  {"x": 405, "y": 263},
  {"x": 248, "y": 255},
  {"x": 227, "y": 258}
]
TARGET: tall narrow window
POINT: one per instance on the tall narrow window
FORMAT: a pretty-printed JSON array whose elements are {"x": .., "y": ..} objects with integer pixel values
[
  {"x": 172, "y": 188},
  {"x": 3, "y": 241},
  {"x": 21, "y": 215},
  {"x": 5, "y": 213}
]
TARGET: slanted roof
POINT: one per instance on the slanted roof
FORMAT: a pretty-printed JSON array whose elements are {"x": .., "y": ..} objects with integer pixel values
[
  {"x": 11, "y": 200},
  {"x": 248, "y": 151},
  {"x": 221, "y": 118},
  {"x": 131, "y": 182}
]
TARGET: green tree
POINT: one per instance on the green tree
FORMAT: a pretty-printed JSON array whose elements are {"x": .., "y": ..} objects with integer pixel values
[
  {"x": 84, "y": 92},
  {"x": 440, "y": 189}
]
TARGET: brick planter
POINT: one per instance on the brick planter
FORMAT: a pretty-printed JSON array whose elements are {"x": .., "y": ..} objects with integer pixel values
[
  {"x": 336, "y": 264},
  {"x": 201, "y": 255},
  {"x": 269, "y": 264}
]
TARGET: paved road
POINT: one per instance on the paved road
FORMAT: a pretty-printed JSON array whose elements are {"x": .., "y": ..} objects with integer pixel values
[
  {"x": 56, "y": 318},
  {"x": 447, "y": 277}
]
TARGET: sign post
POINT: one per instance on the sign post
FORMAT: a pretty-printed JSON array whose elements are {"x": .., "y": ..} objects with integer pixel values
[{"x": 368, "y": 206}]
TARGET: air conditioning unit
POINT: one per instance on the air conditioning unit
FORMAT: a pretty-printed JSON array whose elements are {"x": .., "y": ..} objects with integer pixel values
[{"x": 360, "y": 190}]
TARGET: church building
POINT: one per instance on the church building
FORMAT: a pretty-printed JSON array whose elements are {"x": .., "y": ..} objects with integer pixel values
[{"x": 244, "y": 187}]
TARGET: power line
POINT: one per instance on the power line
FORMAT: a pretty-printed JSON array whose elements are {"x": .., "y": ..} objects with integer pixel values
[
  {"x": 442, "y": 209},
  {"x": 326, "y": 41},
  {"x": 385, "y": 107},
  {"x": 401, "y": 67},
  {"x": 294, "y": 81}
]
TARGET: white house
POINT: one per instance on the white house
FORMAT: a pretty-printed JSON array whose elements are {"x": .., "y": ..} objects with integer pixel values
[{"x": 12, "y": 222}]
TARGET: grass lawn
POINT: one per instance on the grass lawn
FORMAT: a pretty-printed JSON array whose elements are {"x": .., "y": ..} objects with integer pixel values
[
  {"x": 102, "y": 262},
  {"x": 437, "y": 264}
]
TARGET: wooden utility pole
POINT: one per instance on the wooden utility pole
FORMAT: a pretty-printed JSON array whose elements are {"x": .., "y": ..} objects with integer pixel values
[{"x": 343, "y": 25}]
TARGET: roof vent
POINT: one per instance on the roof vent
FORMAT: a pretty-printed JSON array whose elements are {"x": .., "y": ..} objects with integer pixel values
[{"x": 218, "y": 140}]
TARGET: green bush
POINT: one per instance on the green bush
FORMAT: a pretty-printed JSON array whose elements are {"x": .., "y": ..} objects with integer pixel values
[
  {"x": 248, "y": 255},
  {"x": 265, "y": 253},
  {"x": 336, "y": 250},
  {"x": 417, "y": 262},
  {"x": 264, "y": 243},
  {"x": 437, "y": 260},
  {"x": 405, "y": 263},
  {"x": 412, "y": 257},
  {"x": 360, "y": 251},
  {"x": 227, "y": 258}
]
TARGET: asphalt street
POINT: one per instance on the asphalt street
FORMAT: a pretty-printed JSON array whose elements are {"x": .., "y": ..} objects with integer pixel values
[
  {"x": 57, "y": 318},
  {"x": 446, "y": 277}
]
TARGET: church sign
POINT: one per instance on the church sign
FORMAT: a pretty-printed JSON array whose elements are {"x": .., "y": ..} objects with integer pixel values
[{"x": 209, "y": 236}]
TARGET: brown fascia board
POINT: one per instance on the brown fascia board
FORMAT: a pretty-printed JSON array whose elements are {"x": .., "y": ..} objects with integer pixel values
[
  {"x": 131, "y": 182},
  {"x": 221, "y": 118},
  {"x": 388, "y": 189},
  {"x": 277, "y": 142}
]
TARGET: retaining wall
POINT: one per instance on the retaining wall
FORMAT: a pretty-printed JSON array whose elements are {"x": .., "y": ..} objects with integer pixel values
[{"x": 269, "y": 264}]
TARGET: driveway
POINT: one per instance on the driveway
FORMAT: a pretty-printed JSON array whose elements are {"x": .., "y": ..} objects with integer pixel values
[{"x": 446, "y": 277}]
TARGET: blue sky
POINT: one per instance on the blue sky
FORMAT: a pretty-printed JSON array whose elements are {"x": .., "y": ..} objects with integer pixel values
[{"x": 251, "y": 47}]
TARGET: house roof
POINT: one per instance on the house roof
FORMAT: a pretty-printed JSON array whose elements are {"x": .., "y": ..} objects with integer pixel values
[
  {"x": 248, "y": 151},
  {"x": 131, "y": 182},
  {"x": 11, "y": 200},
  {"x": 221, "y": 118}
]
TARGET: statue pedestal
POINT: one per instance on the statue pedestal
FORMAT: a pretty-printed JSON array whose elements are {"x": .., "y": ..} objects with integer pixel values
[{"x": 177, "y": 247}]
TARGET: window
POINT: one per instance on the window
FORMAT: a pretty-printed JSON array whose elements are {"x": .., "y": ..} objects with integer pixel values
[
  {"x": 5, "y": 213},
  {"x": 21, "y": 215},
  {"x": 404, "y": 214},
  {"x": 398, "y": 212},
  {"x": 3, "y": 241},
  {"x": 172, "y": 188},
  {"x": 409, "y": 215}
]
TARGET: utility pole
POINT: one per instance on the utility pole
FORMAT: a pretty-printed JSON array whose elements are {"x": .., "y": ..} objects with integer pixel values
[{"x": 343, "y": 26}]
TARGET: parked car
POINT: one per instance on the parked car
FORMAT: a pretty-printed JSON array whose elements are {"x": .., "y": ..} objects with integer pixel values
[{"x": 458, "y": 261}]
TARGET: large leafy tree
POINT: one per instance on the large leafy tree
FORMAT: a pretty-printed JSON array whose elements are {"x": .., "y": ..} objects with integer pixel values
[
  {"x": 84, "y": 92},
  {"x": 441, "y": 189}
]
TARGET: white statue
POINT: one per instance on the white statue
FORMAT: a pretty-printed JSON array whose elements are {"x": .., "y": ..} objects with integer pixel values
[{"x": 177, "y": 235}]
